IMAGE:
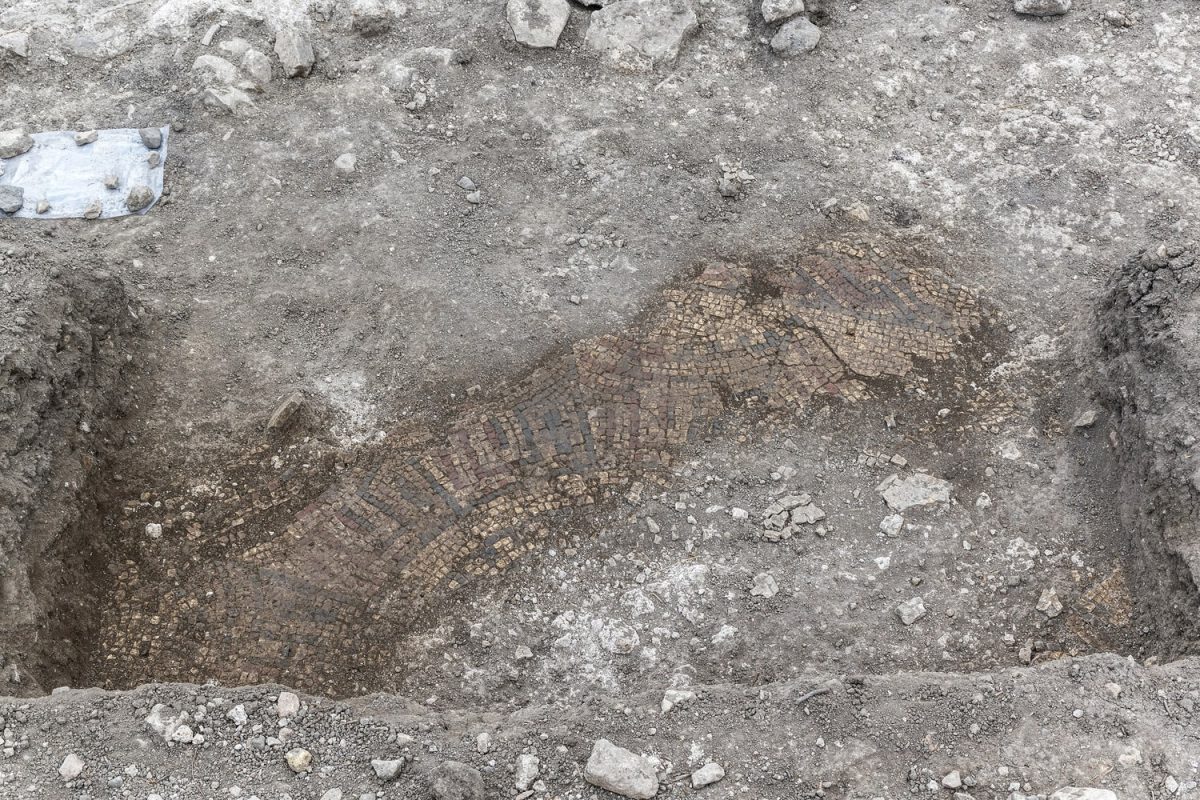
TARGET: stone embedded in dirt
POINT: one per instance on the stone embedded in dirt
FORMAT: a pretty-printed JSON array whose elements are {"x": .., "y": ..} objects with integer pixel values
[
  {"x": 164, "y": 721},
  {"x": 295, "y": 53},
  {"x": 952, "y": 780},
  {"x": 911, "y": 610},
  {"x": 621, "y": 771},
  {"x": 764, "y": 585},
  {"x": 151, "y": 138},
  {"x": 86, "y": 137},
  {"x": 71, "y": 767},
  {"x": 796, "y": 37},
  {"x": 891, "y": 525},
  {"x": 257, "y": 65},
  {"x": 527, "y": 771},
  {"x": 370, "y": 18},
  {"x": 387, "y": 769},
  {"x": 454, "y": 780},
  {"x": 299, "y": 760},
  {"x": 641, "y": 34},
  {"x": 538, "y": 23},
  {"x": 229, "y": 99},
  {"x": 1042, "y": 8},
  {"x": 483, "y": 743},
  {"x": 154, "y": 530},
  {"x": 139, "y": 197},
  {"x": 466, "y": 184},
  {"x": 1082, "y": 793},
  {"x": 237, "y": 715},
  {"x": 280, "y": 417},
  {"x": 12, "y": 198},
  {"x": 214, "y": 69},
  {"x": 778, "y": 10},
  {"x": 14, "y": 142},
  {"x": 783, "y": 517},
  {"x": 474, "y": 198},
  {"x": 1049, "y": 604},
  {"x": 675, "y": 697},
  {"x": 332, "y": 794},
  {"x": 16, "y": 43},
  {"x": 733, "y": 180},
  {"x": 288, "y": 705},
  {"x": 918, "y": 489},
  {"x": 708, "y": 774},
  {"x": 1086, "y": 419},
  {"x": 346, "y": 163}
]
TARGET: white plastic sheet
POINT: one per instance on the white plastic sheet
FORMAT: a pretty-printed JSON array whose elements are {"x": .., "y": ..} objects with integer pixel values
[{"x": 70, "y": 177}]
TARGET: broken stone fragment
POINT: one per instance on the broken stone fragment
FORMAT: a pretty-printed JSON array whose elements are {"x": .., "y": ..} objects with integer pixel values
[
  {"x": 454, "y": 780},
  {"x": 151, "y": 138},
  {"x": 620, "y": 771},
  {"x": 111, "y": 181},
  {"x": 538, "y": 23},
  {"x": 280, "y": 418},
  {"x": 295, "y": 53},
  {"x": 139, "y": 197},
  {"x": 345, "y": 163},
  {"x": 918, "y": 489},
  {"x": 764, "y": 585},
  {"x": 1042, "y": 8},
  {"x": 94, "y": 210},
  {"x": 16, "y": 43},
  {"x": 911, "y": 610},
  {"x": 86, "y": 137},
  {"x": 43, "y": 206},
  {"x": 638, "y": 35},
  {"x": 1049, "y": 604},
  {"x": 1086, "y": 419},
  {"x": 227, "y": 98},
  {"x": 675, "y": 697},
  {"x": 14, "y": 142},
  {"x": 153, "y": 160},
  {"x": 12, "y": 198},
  {"x": 299, "y": 760},
  {"x": 257, "y": 66},
  {"x": 778, "y": 10},
  {"x": 796, "y": 37},
  {"x": 709, "y": 774},
  {"x": 387, "y": 769},
  {"x": 214, "y": 69},
  {"x": 71, "y": 768},
  {"x": 370, "y": 18},
  {"x": 526, "y": 772},
  {"x": 288, "y": 705}
]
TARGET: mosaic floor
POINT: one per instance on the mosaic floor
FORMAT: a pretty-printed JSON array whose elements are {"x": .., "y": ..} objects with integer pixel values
[{"x": 320, "y": 604}]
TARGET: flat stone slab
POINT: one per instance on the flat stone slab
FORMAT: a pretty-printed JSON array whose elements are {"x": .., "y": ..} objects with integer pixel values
[{"x": 70, "y": 178}]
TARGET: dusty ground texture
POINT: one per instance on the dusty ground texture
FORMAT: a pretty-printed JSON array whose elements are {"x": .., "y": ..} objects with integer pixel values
[{"x": 1023, "y": 159}]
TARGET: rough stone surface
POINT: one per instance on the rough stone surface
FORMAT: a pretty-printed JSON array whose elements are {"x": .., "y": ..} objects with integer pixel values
[
  {"x": 140, "y": 197},
  {"x": 12, "y": 198},
  {"x": 710, "y": 773},
  {"x": 640, "y": 34},
  {"x": 454, "y": 780},
  {"x": 1042, "y": 8},
  {"x": 15, "y": 42},
  {"x": 918, "y": 489},
  {"x": 911, "y": 610},
  {"x": 387, "y": 769},
  {"x": 538, "y": 23},
  {"x": 796, "y": 37},
  {"x": 295, "y": 53},
  {"x": 620, "y": 771},
  {"x": 14, "y": 142},
  {"x": 778, "y": 10},
  {"x": 151, "y": 137}
]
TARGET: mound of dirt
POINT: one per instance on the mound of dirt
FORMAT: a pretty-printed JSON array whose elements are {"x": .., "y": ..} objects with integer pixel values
[{"x": 62, "y": 355}]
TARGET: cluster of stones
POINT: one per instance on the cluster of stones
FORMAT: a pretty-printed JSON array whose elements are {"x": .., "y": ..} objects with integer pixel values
[
  {"x": 319, "y": 603},
  {"x": 17, "y": 142},
  {"x": 784, "y": 517}
]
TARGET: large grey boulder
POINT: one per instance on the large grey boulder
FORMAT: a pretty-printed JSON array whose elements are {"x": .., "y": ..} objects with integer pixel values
[
  {"x": 538, "y": 23},
  {"x": 640, "y": 34}
]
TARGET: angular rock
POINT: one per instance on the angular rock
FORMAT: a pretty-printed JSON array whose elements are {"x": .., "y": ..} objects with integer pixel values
[
  {"x": 764, "y": 585},
  {"x": 1042, "y": 8},
  {"x": 15, "y": 42},
  {"x": 295, "y": 53},
  {"x": 71, "y": 767},
  {"x": 94, "y": 210},
  {"x": 708, "y": 774},
  {"x": 257, "y": 66},
  {"x": 778, "y": 10},
  {"x": 86, "y": 137},
  {"x": 796, "y": 37},
  {"x": 620, "y": 771},
  {"x": 1049, "y": 604},
  {"x": 111, "y": 181},
  {"x": 12, "y": 198},
  {"x": 14, "y": 142},
  {"x": 214, "y": 69},
  {"x": 151, "y": 137},
  {"x": 1086, "y": 419},
  {"x": 538, "y": 23},
  {"x": 370, "y": 18},
  {"x": 454, "y": 780},
  {"x": 139, "y": 197},
  {"x": 288, "y": 704},
  {"x": 675, "y": 697},
  {"x": 227, "y": 98},
  {"x": 527, "y": 771},
  {"x": 891, "y": 525},
  {"x": 918, "y": 489},
  {"x": 387, "y": 769},
  {"x": 1082, "y": 793},
  {"x": 911, "y": 610},
  {"x": 641, "y": 34}
]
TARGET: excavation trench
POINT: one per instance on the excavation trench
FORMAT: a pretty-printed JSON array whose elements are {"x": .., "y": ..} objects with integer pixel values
[{"x": 311, "y": 576}]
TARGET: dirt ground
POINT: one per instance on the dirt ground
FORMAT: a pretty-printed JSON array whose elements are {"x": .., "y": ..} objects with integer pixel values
[{"x": 1023, "y": 158}]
